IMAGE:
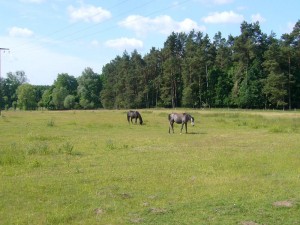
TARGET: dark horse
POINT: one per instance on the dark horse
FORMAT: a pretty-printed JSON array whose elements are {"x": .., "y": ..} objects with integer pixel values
[
  {"x": 134, "y": 115},
  {"x": 182, "y": 118}
]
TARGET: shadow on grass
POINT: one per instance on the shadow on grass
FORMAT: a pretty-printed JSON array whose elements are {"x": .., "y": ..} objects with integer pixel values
[
  {"x": 197, "y": 132},
  {"x": 193, "y": 133}
]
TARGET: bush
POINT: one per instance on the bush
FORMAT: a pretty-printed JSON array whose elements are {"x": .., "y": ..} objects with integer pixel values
[{"x": 69, "y": 102}]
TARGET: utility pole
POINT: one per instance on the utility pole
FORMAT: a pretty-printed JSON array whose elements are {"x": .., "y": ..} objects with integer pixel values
[{"x": 1, "y": 49}]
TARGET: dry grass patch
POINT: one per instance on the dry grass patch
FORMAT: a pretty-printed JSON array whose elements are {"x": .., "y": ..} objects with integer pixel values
[{"x": 287, "y": 204}]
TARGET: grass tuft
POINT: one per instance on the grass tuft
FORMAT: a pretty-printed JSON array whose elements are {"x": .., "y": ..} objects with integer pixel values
[
  {"x": 40, "y": 148},
  {"x": 111, "y": 145},
  {"x": 12, "y": 155},
  {"x": 50, "y": 123},
  {"x": 66, "y": 148}
]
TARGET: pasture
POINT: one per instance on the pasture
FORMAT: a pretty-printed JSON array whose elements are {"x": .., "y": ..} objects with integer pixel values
[{"x": 92, "y": 167}]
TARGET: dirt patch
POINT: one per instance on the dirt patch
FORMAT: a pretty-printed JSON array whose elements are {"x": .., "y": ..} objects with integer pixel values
[
  {"x": 283, "y": 204},
  {"x": 99, "y": 211},
  {"x": 249, "y": 223},
  {"x": 125, "y": 195},
  {"x": 145, "y": 204},
  {"x": 136, "y": 220},
  {"x": 158, "y": 210}
]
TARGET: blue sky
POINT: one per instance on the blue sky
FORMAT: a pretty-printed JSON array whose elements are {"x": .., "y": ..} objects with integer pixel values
[{"x": 48, "y": 37}]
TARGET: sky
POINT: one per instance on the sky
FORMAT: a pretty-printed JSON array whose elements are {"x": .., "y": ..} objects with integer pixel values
[{"x": 49, "y": 37}]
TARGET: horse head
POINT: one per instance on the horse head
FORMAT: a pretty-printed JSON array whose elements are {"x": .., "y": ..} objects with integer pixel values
[
  {"x": 192, "y": 121},
  {"x": 140, "y": 117}
]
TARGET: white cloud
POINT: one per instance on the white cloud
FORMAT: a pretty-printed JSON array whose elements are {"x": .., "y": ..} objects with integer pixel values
[
  {"x": 19, "y": 32},
  {"x": 257, "y": 17},
  {"x": 163, "y": 24},
  {"x": 88, "y": 13},
  {"x": 124, "y": 43},
  {"x": 224, "y": 17},
  {"x": 187, "y": 25}
]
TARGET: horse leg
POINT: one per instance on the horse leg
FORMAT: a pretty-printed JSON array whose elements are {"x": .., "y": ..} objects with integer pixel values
[
  {"x": 181, "y": 127},
  {"x": 171, "y": 126},
  {"x": 186, "y": 128}
]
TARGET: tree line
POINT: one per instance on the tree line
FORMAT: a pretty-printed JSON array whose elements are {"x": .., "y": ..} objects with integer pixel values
[{"x": 251, "y": 70}]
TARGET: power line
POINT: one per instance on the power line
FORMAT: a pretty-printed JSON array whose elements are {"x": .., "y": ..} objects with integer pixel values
[
  {"x": 50, "y": 34},
  {"x": 115, "y": 18},
  {"x": 82, "y": 34},
  {"x": 114, "y": 26},
  {"x": 65, "y": 37},
  {"x": 80, "y": 31},
  {"x": 67, "y": 27}
]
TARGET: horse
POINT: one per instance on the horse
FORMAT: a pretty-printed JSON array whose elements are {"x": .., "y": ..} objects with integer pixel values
[
  {"x": 134, "y": 115},
  {"x": 178, "y": 118}
]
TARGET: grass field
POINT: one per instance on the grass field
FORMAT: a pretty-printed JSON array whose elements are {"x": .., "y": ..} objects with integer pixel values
[{"x": 91, "y": 167}]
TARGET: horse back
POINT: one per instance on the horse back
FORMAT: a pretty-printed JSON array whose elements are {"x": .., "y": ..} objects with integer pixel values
[{"x": 175, "y": 117}]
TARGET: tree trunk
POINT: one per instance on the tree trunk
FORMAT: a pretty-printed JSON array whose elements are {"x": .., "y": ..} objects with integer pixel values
[{"x": 289, "y": 84}]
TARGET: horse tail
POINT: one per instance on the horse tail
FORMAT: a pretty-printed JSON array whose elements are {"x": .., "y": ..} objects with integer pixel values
[
  {"x": 169, "y": 117},
  {"x": 128, "y": 117},
  {"x": 141, "y": 120}
]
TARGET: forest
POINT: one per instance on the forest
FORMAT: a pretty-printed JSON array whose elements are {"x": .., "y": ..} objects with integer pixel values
[{"x": 252, "y": 70}]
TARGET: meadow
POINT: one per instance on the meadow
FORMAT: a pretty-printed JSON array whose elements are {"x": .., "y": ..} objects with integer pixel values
[{"x": 92, "y": 167}]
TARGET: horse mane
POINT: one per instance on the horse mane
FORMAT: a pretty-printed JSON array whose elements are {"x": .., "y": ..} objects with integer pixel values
[{"x": 189, "y": 115}]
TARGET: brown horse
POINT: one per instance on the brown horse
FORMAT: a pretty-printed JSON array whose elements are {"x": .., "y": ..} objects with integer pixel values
[
  {"x": 182, "y": 118},
  {"x": 134, "y": 115}
]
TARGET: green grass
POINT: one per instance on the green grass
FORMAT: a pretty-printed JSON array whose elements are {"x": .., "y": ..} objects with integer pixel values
[{"x": 91, "y": 167}]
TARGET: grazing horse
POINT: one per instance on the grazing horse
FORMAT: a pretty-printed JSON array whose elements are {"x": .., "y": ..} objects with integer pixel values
[
  {"x": 134, "y": 115},
  {"x": 182, "y": 118}
]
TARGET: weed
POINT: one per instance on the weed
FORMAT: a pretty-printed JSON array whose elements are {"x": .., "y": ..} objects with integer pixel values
[
  {"x": 36, "y": 164},
  {"x": 125, "y": 146},
  {"x": 110, "y": 145},
  {"x": 40, "y": 148},
  {"x": 67, "y": 148},
  {"x": 50, "y": 123},
  {"x": 242, "y": 123}
]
